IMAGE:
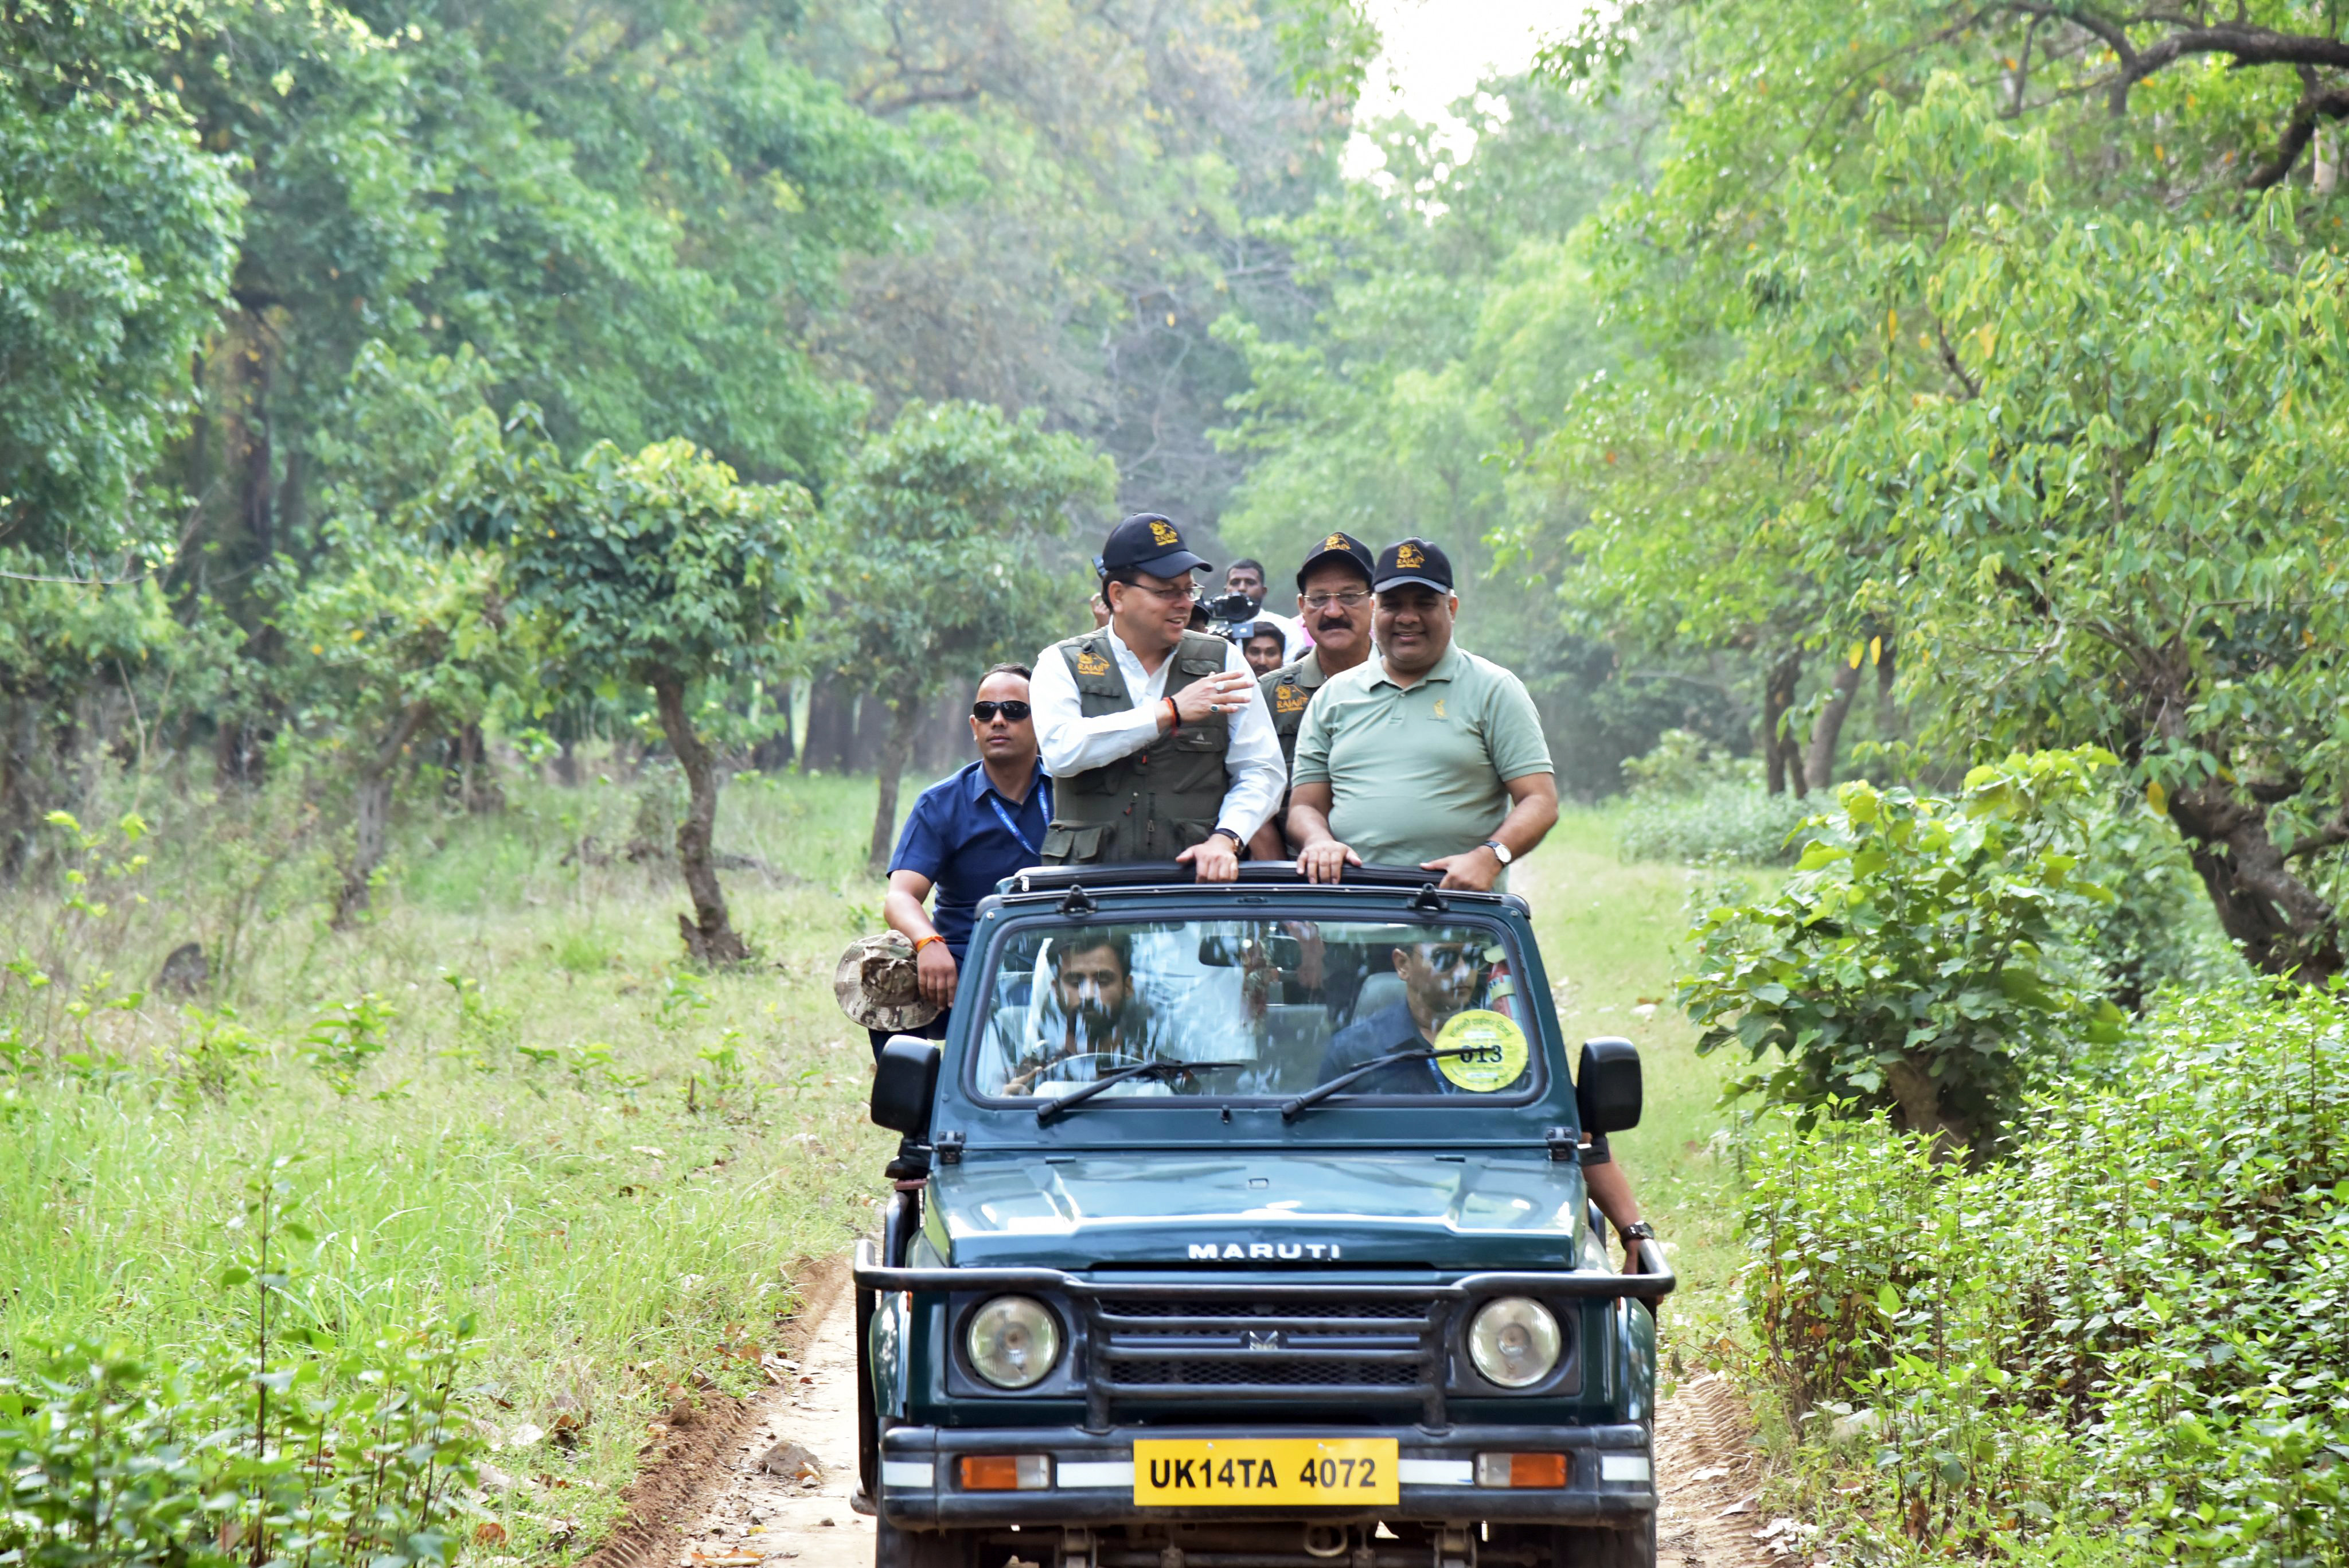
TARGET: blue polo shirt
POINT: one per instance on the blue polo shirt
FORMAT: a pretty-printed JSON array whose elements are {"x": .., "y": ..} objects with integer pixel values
[{"x": 956, "y": 836}]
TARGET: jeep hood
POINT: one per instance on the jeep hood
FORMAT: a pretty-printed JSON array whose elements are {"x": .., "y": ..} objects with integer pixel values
[{"x": 1456, "y": 1213}]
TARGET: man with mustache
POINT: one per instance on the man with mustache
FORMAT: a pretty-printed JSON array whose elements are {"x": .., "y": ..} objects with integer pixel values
[
  {"x": 1333, "y": 603},
  {"x": 1426, "y": 755}
]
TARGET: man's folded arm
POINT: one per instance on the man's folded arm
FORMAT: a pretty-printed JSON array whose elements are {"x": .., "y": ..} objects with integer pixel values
[{"x": 1069, "y": 741}]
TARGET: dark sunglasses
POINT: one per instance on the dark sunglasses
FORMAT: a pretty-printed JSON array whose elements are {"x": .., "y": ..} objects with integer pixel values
[{"x": 1014, "y": 711}]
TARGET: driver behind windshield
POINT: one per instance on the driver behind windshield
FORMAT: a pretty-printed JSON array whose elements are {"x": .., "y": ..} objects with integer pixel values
[
  {"x": 1098, "y": 1011},
  {"x": 1440, "y": 980}
]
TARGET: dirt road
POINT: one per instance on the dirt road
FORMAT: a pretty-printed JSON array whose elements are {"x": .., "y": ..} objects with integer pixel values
[{"x": 744, "y": 1514}]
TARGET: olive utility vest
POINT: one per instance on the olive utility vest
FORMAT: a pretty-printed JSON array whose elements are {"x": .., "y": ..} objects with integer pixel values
[
  {"x": 1286, "y": 690},
  {"x": 1150, "y": 804}
]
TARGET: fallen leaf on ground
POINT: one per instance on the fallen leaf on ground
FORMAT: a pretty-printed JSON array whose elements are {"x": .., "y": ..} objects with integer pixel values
[
  {"x": 524, "y": 1435},
  {"x": 489, "y": 1532}
]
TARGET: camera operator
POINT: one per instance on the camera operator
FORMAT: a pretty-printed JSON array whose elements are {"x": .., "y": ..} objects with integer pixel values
[
  {"x": 1155, "y": 734},
  {"x": 1244, "y": 580}
]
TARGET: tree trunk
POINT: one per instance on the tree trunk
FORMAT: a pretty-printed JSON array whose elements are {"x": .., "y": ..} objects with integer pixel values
[
  {"x": 372, "y": 816},
  {"x": 1887, "y": 712},
  {"x": 707, "y": 933},
  {"x": 905, "y": 722},
  {"x": 1785, "y": 757},
  {"x": 1917, "y": 1108},
  {"x": 1818, "y": 766},
  {"x": 830, "y": 717},
  {"x": 2283, "y": 925}
]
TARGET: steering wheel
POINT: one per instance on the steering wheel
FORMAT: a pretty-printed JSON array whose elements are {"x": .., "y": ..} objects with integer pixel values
[{"x": 1103, "y": 1062}]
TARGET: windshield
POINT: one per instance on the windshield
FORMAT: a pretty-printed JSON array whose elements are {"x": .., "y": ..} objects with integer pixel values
[{"x": 1264, "y": 1008}]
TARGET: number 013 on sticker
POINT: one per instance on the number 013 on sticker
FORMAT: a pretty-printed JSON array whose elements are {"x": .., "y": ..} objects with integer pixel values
[{"x": 1327, "y": 1472}]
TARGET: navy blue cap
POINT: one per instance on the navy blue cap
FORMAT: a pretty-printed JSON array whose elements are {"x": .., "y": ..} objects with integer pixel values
[
  {"x": 1339, "y": 546},
  {"x": 1412, "y": 561},
  {"x": 1147, "y": 542}
]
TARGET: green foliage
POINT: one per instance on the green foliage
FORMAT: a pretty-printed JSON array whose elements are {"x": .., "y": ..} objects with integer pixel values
[
  {"x": 1915, "y": 959},
  {"x": 1689, "y": 803},
  {"x": 658, "y": 568},
  {"x": 345, "y": 1042},
  {"x": 1965, "y": 334},
  {"x": 2127, "y": 1330},
  {"x": 116, "y": 238},
  {"x": 298, "y": 1445},
  {"x": 935, "y": 537}
]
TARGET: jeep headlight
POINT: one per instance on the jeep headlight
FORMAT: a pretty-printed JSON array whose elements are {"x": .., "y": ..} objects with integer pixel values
[
  {"x": 1514, "y": 1341},
  {"x": 1013, "y": 1341}
]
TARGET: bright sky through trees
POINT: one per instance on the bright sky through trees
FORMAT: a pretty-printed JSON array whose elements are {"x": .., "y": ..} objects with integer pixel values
[{"x": 1435, "y": 51}]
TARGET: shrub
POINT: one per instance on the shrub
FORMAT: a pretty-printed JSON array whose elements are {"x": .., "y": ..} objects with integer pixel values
[
  {"x": 294, "y": 1447},
  {"x": 1915, "y": 961},
  {"x": 2132, "y": 1326},
  {"x": 1692, "y": 803}
]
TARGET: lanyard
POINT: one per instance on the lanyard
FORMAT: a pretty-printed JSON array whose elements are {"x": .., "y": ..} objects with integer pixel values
[{"x": 1013, "y": 828}]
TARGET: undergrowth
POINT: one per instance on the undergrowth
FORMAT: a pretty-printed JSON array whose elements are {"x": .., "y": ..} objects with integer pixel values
[
  {"x": 513, "y": 1102},
  {"x": 2120, "y": 1339}
]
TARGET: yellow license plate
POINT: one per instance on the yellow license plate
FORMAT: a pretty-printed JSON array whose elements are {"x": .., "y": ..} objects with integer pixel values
[{"x": 1311, "y": 1473}]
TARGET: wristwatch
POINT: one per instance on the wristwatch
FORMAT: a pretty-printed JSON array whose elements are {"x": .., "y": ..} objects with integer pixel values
[
  {"x": 1500, "y": 850},
  {"x": 1237, "y": 842},
  {"x": 1637, "y": 1231}
]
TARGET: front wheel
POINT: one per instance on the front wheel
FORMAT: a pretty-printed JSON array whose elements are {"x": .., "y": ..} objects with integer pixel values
[
  {"x": 1591, "y": 1546},
  {"x": 1634, "y": 1547},
  {"x": 895, "y": 1548}
]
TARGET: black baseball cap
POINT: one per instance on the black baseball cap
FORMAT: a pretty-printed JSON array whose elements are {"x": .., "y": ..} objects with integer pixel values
[
  {"x": 1147, "y": 542},
  {"x": 1338, "y": 546},
  {"x": 1412, "y": 561}
]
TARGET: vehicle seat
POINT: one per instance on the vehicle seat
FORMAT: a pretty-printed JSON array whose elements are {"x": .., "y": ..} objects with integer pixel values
[
  {"x": 1295, "y": 1038},
  {"x": 1379, "y": 993}
]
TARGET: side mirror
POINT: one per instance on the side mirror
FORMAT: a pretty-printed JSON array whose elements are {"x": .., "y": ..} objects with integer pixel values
[
  {"x": 1607, "y": 1085},
  {"x": 904, "y": 1083}
]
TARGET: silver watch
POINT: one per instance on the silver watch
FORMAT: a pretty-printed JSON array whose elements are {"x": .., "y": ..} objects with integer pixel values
[{"x": 1500, "y": 850}]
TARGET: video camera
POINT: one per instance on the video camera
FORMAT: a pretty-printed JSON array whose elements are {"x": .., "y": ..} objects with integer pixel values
[{"x": 1227, "y": 611}]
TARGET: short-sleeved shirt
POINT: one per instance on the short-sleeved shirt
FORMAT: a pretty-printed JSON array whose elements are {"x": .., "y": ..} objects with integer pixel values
[
  {"x": 957, "y": 837},
  {"x": 1415, "y": 775}
]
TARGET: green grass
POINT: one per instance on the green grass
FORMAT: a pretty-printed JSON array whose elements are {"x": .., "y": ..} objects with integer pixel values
[
  {"x": 1610, "y": 935},
  {"x": 553, "y": 1146}
]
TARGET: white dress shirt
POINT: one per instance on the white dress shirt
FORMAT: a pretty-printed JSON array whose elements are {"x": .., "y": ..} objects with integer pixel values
[{"x": 1072, "y": 743}]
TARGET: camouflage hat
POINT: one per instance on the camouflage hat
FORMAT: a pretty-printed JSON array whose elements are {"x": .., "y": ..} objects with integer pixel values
[{"x": 878, "y": 986}]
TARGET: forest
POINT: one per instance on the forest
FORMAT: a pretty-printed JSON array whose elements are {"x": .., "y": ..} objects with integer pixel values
[{"x": 503, "y": 502}]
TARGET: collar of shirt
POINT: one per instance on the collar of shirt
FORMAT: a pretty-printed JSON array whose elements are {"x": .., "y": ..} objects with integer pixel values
[
  {"x": 1141, "y": 685},
  {"x": 980, "y": 785},
  {"x": 1445, "y": 668}
]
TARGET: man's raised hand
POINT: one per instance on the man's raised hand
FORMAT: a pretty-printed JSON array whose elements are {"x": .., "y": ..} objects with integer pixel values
[{"x": 1213, "y": 694}]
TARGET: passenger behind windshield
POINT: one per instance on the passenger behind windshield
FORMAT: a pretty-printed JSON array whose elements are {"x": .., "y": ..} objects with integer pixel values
[{"x": 1298, "y": 1002}]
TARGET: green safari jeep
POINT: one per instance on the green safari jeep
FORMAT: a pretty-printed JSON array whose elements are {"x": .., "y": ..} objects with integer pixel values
[{"x": 1243, "y": 1226}]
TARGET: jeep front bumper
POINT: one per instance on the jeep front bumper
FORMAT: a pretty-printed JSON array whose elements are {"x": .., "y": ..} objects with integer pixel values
[{"x": 1609, "y": 1478}]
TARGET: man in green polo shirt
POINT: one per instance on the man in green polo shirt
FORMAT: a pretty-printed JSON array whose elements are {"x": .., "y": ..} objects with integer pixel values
[{"x": 1423, "y": 755}]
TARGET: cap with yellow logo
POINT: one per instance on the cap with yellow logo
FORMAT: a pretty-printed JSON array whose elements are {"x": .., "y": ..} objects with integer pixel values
[
  {"x": 1147, "y": 542},
  {"x": 1338, "y": 549},
  {"x": 1412, "y": 561}
]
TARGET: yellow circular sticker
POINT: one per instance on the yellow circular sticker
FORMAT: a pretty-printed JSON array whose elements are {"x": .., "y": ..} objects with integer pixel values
[{"x": 1500, "y": 1059}]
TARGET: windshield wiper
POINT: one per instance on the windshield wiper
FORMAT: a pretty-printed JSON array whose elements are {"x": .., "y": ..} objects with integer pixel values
[
  {"x": 1321, "y": 1092},
  {"x": 1050, "y": 1108}
]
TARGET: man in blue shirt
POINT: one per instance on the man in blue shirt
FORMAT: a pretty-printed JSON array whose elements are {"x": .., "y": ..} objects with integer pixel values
[{"x": 968, "y": 833}]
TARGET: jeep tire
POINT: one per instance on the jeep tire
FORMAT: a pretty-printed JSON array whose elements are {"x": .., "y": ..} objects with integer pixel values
[
  {"x": 1633, "y": 1547},
  {"x": 895, "y": 1548}
]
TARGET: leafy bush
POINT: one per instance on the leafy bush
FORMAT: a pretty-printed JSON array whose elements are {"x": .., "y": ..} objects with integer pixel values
[
  {"x": 1691, "y": 802},
  {"x": 1914, "y": 962},
  {"x": 2132, "y": 1326}
]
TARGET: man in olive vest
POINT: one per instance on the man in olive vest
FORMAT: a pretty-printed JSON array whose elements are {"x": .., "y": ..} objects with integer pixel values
[
  {"x": 1333, "y": 603},
  {"x": 1157, "y": 742}
]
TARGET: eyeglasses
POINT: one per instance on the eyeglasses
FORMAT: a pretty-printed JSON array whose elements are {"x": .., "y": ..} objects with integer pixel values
[
  {"x": 1013, "y": 711},
  {"x": 1176, "y": 596},
  {"x": 1351, "y": 600}
]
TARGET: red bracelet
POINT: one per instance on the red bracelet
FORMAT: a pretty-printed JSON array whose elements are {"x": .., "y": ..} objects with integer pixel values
[
  {"x": 1174, "y": 716},
  {"x": 926, "y": 941}
]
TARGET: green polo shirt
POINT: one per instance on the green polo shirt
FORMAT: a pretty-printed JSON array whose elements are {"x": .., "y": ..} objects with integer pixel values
[{"x": 1419, "y": 774}]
